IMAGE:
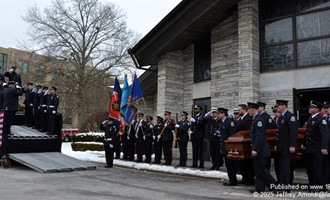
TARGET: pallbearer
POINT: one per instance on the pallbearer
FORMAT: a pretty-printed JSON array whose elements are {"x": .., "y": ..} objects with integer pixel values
[
  {"x": 259, "y": 150},
  {"x": 183, "y": 138}
]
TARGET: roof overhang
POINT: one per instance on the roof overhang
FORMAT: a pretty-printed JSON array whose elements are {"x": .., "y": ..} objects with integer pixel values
[{"x": 185, "y": 24}]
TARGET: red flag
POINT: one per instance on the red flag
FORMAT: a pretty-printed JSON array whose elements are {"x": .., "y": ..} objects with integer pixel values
[{"x": 114, "y": 109}]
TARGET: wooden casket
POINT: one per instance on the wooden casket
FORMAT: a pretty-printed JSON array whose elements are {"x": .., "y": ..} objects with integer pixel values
[{"x": 238, "y": 145}]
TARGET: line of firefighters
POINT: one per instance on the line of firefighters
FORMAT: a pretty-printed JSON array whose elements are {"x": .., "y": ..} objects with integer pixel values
[{"x": 142, "y": 137}]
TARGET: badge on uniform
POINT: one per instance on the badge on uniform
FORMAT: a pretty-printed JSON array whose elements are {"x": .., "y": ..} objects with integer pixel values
[
  {"x": 293, "y": 119},
  {"x": 259, "y": 124},
  {"x": 324, "y": 122},
  {"x": 232, "y": 124}
]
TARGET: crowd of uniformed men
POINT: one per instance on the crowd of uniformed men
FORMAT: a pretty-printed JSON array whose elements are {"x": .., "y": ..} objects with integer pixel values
[
  {"x": 142, "y": 137},
  {"x": 40, "y": 104}
]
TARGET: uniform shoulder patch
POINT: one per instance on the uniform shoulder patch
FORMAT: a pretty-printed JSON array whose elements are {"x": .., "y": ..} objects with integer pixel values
[
  {"x": 259, "y": 124},
  {"x": 293, "y": 119},
  {"x": 324, "y": 122},
  {"x": 232, "y": 124}
]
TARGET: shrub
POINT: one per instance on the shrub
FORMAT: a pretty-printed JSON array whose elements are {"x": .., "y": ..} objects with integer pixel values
[{"x": 87, "y": 146}]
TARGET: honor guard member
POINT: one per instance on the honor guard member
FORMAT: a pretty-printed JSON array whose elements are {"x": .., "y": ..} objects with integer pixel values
[
  {"x": 131, "y": 141},
  {"x": 148, "y": 133},
  {"x": 285, "y": 144},
  {"x": 167, "y": 136},
  {"x": 158, "y": 142},
  {"x": 270, "y": 124},
  {"x": 36, "y": 106},
  {"x": 326, "y": 111},
  {"x": 315, "y": 143},
  {"x": 139, "y": 127},
  {"x": 110, "y": 134},
  {"x": 243, "y": 124},
  {"x": 226, "y": 128},
  {"x": 259, "y": 150},
  {"x": 212, "y": 121},
  {"x": 10, "y": 106},
  {"x": 43, "y": 109},
  {"x": 277, "y": 115},
  {"x": 13, "y": 76},
  {"x": 197, "y": 137},
  {"x": 53, "y": 101},
  {"x": 124, "y": 140},
  {"x": 183, "y": 138},
  {"x": 28, "y": 102}
]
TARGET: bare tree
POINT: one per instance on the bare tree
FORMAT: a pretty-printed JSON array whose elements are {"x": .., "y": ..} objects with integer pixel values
[{"x": 88, "y": 40}]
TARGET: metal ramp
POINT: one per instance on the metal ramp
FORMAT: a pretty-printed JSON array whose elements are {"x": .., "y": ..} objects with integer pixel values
[
  {"x": 23, "y": 132},
  {"x": 51, "y": 162}
]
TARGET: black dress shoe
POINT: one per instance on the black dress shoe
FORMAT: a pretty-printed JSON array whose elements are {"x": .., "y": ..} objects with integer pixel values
[
  {"x": 137, "y": 160},
  {"x": 201, "y": 166},
  {"x": 229, "y": 184},
  {"x": 216, "y": 168},
  {"x": 155, "y": 162},
  {"x": 107, "y": 166},
  {"x": 193, "y": 166},
  {"x": 212, "y": 168}
]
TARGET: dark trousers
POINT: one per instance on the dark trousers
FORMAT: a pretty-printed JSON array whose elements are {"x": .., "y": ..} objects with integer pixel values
[
  {"x": 183, "y": 153},
  {"x": 326, "y": 168},
  {"x": 130, "y": 149},
  {"x": 158, "y": 147},
  {"x": 198, "y": 151},
  {"x": 43, "y": 120},
  {"x": 167, "y": 149},
  {"x": 314, "y": 163},
  {"x": 248, "y": 170},
  {"x": 263, "y": 177},
  {"x": 148, "y": 149},
  {"x": 139, "y": 148},
  {"x": 36, "y": 117},
  {"x": 108, "y": 154},
  {"x": 283, "y": 169},
  {"x": 51, "y": 122},
  {"x": 217, "y": 159},
  {"x": 7, "y": 122},
  {"x": 117, "y": 148},
  {"x": 231, "y": 166},
  {"x": 124, "y": 146},
  {"x": 29, "y": 118}
]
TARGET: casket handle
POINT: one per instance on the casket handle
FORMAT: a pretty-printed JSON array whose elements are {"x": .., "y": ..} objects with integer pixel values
[{"x": 235, "y": 152}]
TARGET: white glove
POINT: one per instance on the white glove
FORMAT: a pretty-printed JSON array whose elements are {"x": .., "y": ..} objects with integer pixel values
[
  {"x": 11, "y": 70},
  {"x": 151, "y": 126},
  {"x": 192, "y": 120},
  {"x": 154, "y": 137},
  {"x": 177, "y": 126},
  {"x": 19, "y": 87},
  {"x": 159, "y": 136},
  {"x": 111, "y": 146},
  {"x": 166, "y": 124},
  {"x": 140, "y": 124},
  {"x": 128, "y": 137},
  {"x": 144, "y": 137},
  {"x": 54, "y": 112}
]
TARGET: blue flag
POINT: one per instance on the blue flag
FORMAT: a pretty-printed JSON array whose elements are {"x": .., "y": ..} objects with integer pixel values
[
  {"x": 124, "y": 97},
  {"x": 133, "y": 100}
]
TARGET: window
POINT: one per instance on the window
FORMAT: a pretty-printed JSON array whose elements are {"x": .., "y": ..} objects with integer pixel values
[
  {"x": 294, "y": 33},
  {"x": 202, "y": 60},
  {"x": 3, "y": 62},
  {"x": 40, "y": 70},
  {"x": 23, "y": 67}
]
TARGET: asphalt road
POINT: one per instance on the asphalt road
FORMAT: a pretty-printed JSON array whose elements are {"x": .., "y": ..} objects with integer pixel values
[{"x": 22, "y": 183}]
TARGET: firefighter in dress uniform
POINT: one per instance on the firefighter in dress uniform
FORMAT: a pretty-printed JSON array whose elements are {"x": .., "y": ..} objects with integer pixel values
[
  {"x": 130, "y": 141},
  {"x": 197, "y": 137},
  {"x": 148, "y": 133},
  {"x": 28, "y": 102},
  {"x": 110, "y": 134},
  {"x": 326, "y": 116},
  {"x": 315, "y": 143},
  {"x": 10, "y": 106},
  {"x": 212, "y": 121},
  {"x": 259, "y": 150},
  {"x": 183, "y": 138},
  {"x": 285, "y": 144},
  {"x": 225, "y": 129},
  {"x": 167, "y": 137},
  {"x": 36, "y": 105},
  {"x": 158, "y": 142},
  {"x": 53, "y": 101},
  {"x": 43, "y": 109},
  {"x": 139, "y": 127}
]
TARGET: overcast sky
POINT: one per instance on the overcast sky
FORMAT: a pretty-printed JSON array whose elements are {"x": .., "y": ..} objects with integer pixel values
[{"x": 142, "y": 16}]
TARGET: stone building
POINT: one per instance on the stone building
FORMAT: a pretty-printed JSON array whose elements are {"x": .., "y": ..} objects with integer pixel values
[{"x": 226, "y": 52}]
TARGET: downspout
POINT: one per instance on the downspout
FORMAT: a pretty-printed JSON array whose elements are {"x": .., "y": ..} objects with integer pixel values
[{"x": 136, "y": 63}]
